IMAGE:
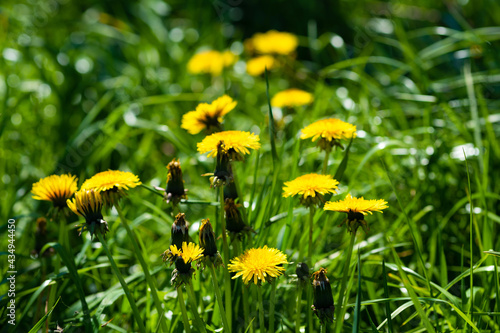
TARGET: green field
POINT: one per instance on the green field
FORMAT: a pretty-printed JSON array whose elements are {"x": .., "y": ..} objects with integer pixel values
[{"x": 91, "y": 86}]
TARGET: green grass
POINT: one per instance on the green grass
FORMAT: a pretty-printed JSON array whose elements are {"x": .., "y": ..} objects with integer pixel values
[{"x": 94, "y": 86}]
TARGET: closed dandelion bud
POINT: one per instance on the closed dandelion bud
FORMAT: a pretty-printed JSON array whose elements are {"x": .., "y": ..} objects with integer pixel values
[
  {"x": 222, "y": 173},
  {"x": 230, "y": 191},
  {"x": 179, "y": 230},
  {"x": 175, "y": 184},
  {"x": 323, "y": 298},
  {"x": 302, "y": 271},
  {"x": 234, "y": 220},
  {"x": 207, "y": 239}
]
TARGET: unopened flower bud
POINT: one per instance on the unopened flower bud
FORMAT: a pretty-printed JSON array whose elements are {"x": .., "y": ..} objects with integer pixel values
[
  {"x": 234, "y": 220},
  {"x": 175, "y": 184},
  {"x": 323, "y": 298},
  {"x": 180, "y": 230},
  {"x": 302, "y": 271},
  {"x": 207, "y": 239}
]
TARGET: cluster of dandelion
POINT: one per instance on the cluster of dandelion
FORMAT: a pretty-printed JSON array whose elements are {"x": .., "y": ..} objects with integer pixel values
[{"x": 257, "y": 265}]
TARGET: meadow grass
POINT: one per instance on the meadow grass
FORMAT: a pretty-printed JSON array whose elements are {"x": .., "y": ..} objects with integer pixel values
[{"x": 88, "y": 88}]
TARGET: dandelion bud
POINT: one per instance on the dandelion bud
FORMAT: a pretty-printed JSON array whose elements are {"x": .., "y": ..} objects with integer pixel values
[
  {"x": 302, "y": 271},
  {"x": 230, "y": 191},
  {"x": 234, "y": 220},
  {"x": 179, "y": 230},
  {"x": 323, "y": 298},
  {"x": 222, "y": 173},
  {"x": 175, "y": 184},
  {"x": 207, "y": 239}
]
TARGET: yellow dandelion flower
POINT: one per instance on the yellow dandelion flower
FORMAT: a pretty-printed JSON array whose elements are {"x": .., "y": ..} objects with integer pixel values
[
  {"x": 311, "y": 188},
  {"x": 275, "y": 42},
  {"x": 88, "y": 204},
  {"x": 257, "y": 66},
  {"x": 112, "y": 184},
  {"x": 211, "y": 62},
  {"x": 235, "y": 143},
  {"x": 55, "y": 188},
  {"x": 357, "y": 205},
  {"x": 329, "y": 129},
  {"x": 208, "y": 116},
  {"x": 189, "y": 252},
  {"x": 292, "y": 98},
  {"x": 259, "y": 265},
  {"x": 356, "y": 208}
]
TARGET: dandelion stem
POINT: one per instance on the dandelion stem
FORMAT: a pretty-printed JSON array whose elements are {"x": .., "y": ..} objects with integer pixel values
[
  {"x": 271, "y": 306},
  {"x": 131, "y": 300},
  {"x": 225, "y": 250},
  {"x": 309, "y": 261},
  {"x": 340, "y": 301},
  {"x": 185, "y": 319},
  {"x": 260, "y": 305},
  {"x": 297, "y": 309},
  {"x": 246, "y": 311},
  {"x": 219, "y": 297},
  {"x": 194, "y": 308},
  {"x": 145, "y": 268},
  {"x": 325, "y": 162}
]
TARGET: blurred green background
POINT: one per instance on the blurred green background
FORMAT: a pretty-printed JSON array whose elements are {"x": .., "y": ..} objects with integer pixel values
[{"x": 87, "y": 86}]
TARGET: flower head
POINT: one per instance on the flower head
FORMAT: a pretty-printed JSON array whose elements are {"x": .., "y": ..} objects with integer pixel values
[
  {"x": 356, "y": 208},
  {"x": 257, "y": 66},
  {"x": 311, "y": 188},
  {"x": 112, "y": 184},
  {"x": 235, "y": 144},
  {"x": 259, "y": 265},
  {"x": 274, "y": 42},
  {"x": 88, "y": 204},
  {"x": 323, "y": 299},
  {"x": 55, "y": 188},
  {"x": 182, "y": 257},
  {"x": 329, "y": 131},
  {"x": 292, "y": 98},
  {"x": 208, "y": 116},
  {"x": 211, "y": 62},
  {"x": 175, "y": 184}
]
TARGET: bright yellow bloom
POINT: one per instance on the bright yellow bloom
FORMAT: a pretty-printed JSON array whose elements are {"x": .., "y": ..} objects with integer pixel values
[
  {"x": 235, "y": 142},
  {"x": 190, "y": 252},
  {"x": 211, "y": 62},
  {"x": 356, "y": 205},
  {"x": 292, "y": 98},
  {"x": 207, "y": 116},
  {"x": 88, "y": 204},
  {"x": 329, "y": 129},
  {"x": 260, "y": 264},
  {"x": 311, "y": 188},
  {"x": 112, "y": 184},
  {"x": 275, "y": 42},
  {"x": 55, "y": 188},
  {"x": 257, "y": 66}
]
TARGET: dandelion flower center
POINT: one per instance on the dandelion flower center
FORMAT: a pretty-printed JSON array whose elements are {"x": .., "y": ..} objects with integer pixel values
[
  {"x": 55, "y": 188},
  {"x": 292, "y": 98},
  {"x": 207, "y": 116},
  {"x": 238, "y": 142},
  {"x": 310, "y": 185},
  {"x": 329, "y": 129}
]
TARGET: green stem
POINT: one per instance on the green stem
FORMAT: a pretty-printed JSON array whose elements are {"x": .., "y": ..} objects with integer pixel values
[
  {"x": 246, "y": 311},
  {"x": 225, "y": 250},
  {"x": 185, "y": 319},
  {"x": 260, "y": 305},
  {"x": 309, "y": 311},
  {"x": 311, "y": 229},
  {"x": 194, "y": 307},
  {"x": 340, "y": 301},
  {"x": 131, "y": 300},
  {"x": 297, "y": 309},
  {"x": 325, "y": 162},
  {"x": 271, "y": 306},
  {"x": 219, "y": 297},
  {"x": 145, "y": 268},
  {"x": 57, "y": 266}
]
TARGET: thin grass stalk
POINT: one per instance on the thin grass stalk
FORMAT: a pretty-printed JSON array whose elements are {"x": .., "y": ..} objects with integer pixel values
[
  {"x": 272, "y": 306},
  {"x": 345, "y": 276},
  {"x": 246, "y": 311},
  {"x": 185, "y": 319},
  {"x": 225, "y": 250},
  {"x": 115, "y": 269},
  {"x": 218, "y": 296},
  {"x": 297, "y": 307},
  {"x": 325, "y": 162},
  {"x": 145, "y": 268},
  {"x": 260, "y": 305},
  {"x": 57, "y": 266},
  {"x": 194, "y": 308},
  {"x": 309, "y": 261}
]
